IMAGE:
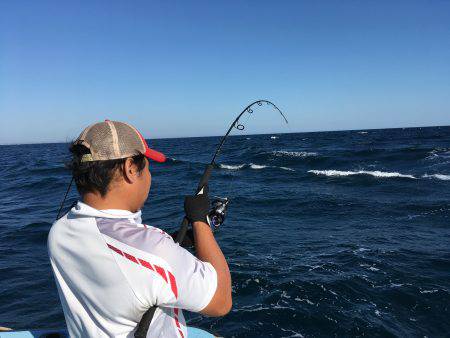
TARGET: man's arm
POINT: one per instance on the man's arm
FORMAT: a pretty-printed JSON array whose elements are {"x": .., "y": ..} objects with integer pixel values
[{"x": 208, "y": 250}]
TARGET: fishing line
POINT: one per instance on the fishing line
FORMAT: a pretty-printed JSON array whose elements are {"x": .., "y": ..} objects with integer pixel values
[
  {"x": 58, "y": 216},
  {"x": 235, "y": 174},
  {"x": 208, "y": 170}
]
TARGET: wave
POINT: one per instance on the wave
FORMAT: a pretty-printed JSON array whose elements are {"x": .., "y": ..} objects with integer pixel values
[
  {"x": 286, "y": 168},
  {"x": 251, "y": 166},
  {"x": 231, "y": 167},
  {"x": 438, "y": 176},
  {"x": 294, "y": 153},
  {"x": 437, "y": 153},
  {"x": 362, "y": 132},
  {"x": 234, "y": 166},
  {"x": 183, "y": 160},
  {"x": 257, "y": 166},
  {"x": 429, "y": 291},
  {"x": 375, "y": 173}
]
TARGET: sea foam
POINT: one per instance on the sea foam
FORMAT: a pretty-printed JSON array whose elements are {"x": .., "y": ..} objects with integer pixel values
[
  {"x": 438, "y": 176},
  {"x": 375, "y": 173},
  {"x": 251, "y": 166},
  {"x": 257, "y": 166},
  {"x": 231, "y": 167},
  {"x": 294, "y": 153}
]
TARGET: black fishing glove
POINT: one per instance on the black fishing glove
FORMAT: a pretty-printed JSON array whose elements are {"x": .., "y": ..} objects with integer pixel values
[{"x": 196, "y": 207}]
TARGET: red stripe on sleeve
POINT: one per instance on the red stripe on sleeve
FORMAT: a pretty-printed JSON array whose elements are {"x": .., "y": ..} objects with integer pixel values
[
  {"x": 173, "y": 284},
  {"x": 115, "y": 249},
  {"x": 161, "y": 272},
  {"x": 130, "y": 257},
  {"x": 145, "y": 264}
]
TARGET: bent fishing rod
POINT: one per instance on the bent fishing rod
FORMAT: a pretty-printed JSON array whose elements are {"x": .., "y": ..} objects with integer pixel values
[
  {"x": 217, "y": 214},
  {"x": 208, "y": 170}
]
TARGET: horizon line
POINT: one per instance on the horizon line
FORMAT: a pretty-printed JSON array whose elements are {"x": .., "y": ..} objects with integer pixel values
[{"x": 293, "y": 132}]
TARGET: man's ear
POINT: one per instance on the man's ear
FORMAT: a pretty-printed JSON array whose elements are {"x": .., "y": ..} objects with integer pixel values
[{"x": 130, "y": 171}]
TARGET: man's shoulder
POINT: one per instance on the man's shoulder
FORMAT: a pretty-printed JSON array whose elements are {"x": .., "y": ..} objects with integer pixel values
[
  {"x": 128, "y": 226},
  {"x": 66, "y": 221},
  {"x": 57, "y": 227},
  {"x": 136, "y": 235},
  {"x": 64, "y": 228}
]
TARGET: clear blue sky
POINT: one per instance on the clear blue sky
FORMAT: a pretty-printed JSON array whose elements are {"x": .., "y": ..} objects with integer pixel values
[{"x": 184, "y": 68}]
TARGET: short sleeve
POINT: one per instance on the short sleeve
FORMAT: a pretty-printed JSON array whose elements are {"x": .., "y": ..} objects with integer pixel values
[
  {"x": 196, "y": 281},
  {"x": 177, "y": 278}
]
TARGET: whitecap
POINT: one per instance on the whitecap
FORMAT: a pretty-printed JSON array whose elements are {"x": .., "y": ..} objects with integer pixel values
[
  {"x": 438, "y": 152},
  {"x": 314, "y": 267},
  {"x": 286, "y": 168},
  {"x": 396, "y": 285},
  {"x": 432, "y": 155},
  {"x": 251, "y": 165},
  {"x": 361, "y": 250},
  {"x": 281, "y": 307},
  {"x": 438, "y": 176},
  {"x": 369, "y": 267},
  {"x": 362, "y": 132},
  {"x": 294, "y": 153},
  {"x": 273, "y": 137},
  {"x": 257, "y": 166},
  {"x": 231, "y": 167},
  {"x": 252, "y": 308},
  {"x": 285, "y": 295},
  {"x": 429, "y": 291},
  {"x": 306, "y": 300},
  {"x": 375, "y": 173}
]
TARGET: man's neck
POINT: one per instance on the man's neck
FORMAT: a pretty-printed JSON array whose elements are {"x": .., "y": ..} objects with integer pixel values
[{"x": 109, "y": 201}]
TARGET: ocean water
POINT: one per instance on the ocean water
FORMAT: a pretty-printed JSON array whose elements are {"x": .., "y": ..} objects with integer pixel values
[{"x": 328, "y": 234}]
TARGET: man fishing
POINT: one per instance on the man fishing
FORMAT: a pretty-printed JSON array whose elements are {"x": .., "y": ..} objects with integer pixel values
[{"x": 109, "y": 267}]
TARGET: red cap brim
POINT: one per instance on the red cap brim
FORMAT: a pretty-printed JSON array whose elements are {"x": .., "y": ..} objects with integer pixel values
[
  {"x": 155, "y": 155},
  {"x": 150, "y": 153}
]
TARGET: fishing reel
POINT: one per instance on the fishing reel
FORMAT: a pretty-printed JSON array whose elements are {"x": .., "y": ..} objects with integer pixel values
[{"x": 216, "y": 216}]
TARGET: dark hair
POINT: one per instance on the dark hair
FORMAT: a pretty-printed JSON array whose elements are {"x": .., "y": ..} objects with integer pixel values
[{"x": 96, "y": 175}]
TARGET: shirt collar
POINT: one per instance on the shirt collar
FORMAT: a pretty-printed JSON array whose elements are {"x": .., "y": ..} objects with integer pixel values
[{"x": 82, "y": 209}]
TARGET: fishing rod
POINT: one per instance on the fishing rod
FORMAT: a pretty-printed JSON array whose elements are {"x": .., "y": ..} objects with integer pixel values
[{"x": 217, "y": 214}]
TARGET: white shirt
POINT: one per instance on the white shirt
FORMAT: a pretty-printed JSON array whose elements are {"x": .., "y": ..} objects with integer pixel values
[{"x": 110, "y": 269}]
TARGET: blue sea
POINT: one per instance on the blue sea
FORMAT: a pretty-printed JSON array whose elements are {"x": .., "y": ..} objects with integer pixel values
[{"x": 329, "y": 234}]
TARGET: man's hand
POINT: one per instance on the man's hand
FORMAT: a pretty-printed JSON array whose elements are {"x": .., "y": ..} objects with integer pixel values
[{"x": 196, "y": 208}]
